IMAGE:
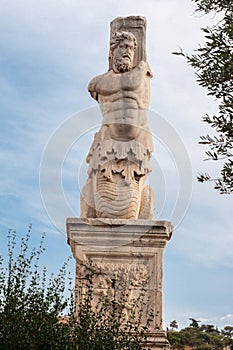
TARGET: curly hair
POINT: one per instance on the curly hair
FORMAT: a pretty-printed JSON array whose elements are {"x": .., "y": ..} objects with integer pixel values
[{"x": 117, "y": 37}]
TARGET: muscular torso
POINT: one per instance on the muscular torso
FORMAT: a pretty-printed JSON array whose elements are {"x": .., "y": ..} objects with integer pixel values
[{"x": 124, "y": 100}]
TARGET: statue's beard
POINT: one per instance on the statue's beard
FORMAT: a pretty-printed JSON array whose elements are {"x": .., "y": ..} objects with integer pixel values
[{"x": 122, "y": 64}]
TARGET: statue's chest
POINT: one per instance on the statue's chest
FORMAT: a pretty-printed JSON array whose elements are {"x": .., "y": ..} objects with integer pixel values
[{"x": 114, "y": 83}]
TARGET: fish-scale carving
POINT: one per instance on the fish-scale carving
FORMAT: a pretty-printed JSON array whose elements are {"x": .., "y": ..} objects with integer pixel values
[{"x": 117, "y": 199}]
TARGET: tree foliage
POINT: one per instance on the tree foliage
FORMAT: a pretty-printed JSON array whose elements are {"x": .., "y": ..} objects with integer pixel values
[
  {"x": 174, "y": 324},
  {"x": 194, "y": 323},
  {"x": 213, "y": 65},
  {"x": 37, "y": 312},
  {"x": 201, "y": 337},
  {"x": 104, "y": 327},
  {"x": 29, "y": 304}
]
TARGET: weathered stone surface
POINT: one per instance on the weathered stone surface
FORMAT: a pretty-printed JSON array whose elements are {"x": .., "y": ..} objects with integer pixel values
[
  {"x": 115, "y": 240},
  {"x": 135, "y": 25},
  {"x": 128, "y": 252},
  {"x": 119, "y": 158}
]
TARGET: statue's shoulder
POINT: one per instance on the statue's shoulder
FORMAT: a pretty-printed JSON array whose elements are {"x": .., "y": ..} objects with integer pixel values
[
  {"x": 94, "y": 81},
  {"x": 92, "y": 86},
  {"x": 144, "y": 66}
]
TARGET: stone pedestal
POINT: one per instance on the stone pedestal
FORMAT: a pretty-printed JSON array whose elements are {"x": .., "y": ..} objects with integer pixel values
[{"x": 124, "y": 251}]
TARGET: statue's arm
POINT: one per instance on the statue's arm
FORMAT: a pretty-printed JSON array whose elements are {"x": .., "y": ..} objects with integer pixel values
[
  {"x": 145, "y": 66},
  {"x": 92, "y": 87}
]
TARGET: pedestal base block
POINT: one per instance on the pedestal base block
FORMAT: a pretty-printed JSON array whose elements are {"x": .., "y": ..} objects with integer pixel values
[{"x": 125, "y": 254}]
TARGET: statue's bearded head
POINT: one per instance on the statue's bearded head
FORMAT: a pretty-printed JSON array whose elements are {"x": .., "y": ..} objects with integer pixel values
[{"x": 123, "y": 46}]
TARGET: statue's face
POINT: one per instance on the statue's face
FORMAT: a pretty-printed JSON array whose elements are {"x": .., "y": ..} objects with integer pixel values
[{"x": 123, "y": 55}]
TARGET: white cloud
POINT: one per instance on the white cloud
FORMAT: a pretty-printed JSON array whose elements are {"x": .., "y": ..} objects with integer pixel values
[
  {"x": 220, "y": 321},
  {"x": 228, "y": 318}
]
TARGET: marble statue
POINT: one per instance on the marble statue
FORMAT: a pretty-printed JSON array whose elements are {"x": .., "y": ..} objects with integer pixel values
[
  {"x": 119, "y": 157},
  {"x": 115, "y": 242}
]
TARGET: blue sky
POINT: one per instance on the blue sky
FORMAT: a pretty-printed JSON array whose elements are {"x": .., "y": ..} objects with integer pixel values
[{"x": 49, "y": 52}]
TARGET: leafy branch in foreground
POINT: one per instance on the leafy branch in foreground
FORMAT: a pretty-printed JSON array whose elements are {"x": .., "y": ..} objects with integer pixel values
[
  {"x": 101, "y": 321},
  {"x": 213, "y": 65},
  {"x": 29, "y": 304},
  {"x": 36, "y": 313}
]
